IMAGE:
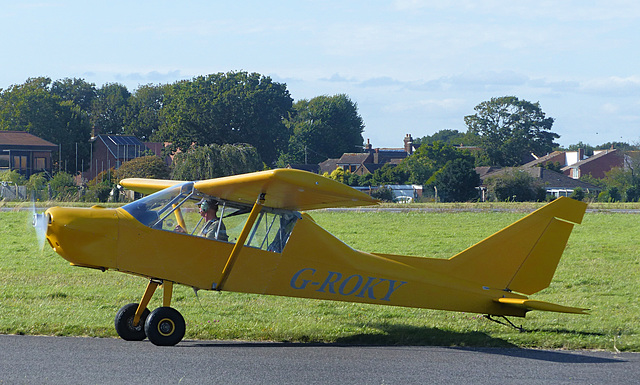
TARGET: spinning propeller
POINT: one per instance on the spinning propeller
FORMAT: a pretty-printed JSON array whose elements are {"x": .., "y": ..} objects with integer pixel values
[{"x": 39, "y": 223}]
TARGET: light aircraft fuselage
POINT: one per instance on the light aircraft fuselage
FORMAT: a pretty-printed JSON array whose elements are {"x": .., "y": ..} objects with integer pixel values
[{"x": 275, "y": 248}]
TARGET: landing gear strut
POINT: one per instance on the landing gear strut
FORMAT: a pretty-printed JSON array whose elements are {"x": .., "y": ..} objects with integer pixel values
[
  {"x": 506, "y": 322},
  {"x": 164, "y": 326}
]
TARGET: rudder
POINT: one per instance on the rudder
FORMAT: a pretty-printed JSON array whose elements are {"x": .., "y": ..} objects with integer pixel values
[{"x": 523, "y": 256}]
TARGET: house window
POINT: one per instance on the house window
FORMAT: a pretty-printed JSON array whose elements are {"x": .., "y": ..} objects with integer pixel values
[
  {"x": 4, "y": 161},
  {"x": 41, "y": 164},
  {"x": 19, "y": 162},
  {"x": 576, "y": 173}
]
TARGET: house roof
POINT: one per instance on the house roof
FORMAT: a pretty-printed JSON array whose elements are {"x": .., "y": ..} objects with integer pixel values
[
  {"x": 549, "y": 178},
  {"x": 314, "y": 168},
  {"x": 544, "y": 159},
  {"x": 354, "y": 158},
  {"x": 484, "y": 170},
  {"x": 10, "y": 140},
  {"x": 370, "y": 167},
  {"x": 553, "y": 179},
  {"x": 122, "y": 146},
  {"x": 328, "y": 165},
  {"x": 590, "y": 159}
]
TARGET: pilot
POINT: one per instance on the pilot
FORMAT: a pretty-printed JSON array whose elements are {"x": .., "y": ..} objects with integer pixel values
[{"x": 213, "y": 228}]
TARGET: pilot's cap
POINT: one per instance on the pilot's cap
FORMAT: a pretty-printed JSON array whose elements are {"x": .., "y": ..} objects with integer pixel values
[{"x": 206, "y": 204}]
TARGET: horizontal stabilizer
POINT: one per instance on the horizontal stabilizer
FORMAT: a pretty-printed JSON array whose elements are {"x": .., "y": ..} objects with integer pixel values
[{"x": 531, "y": 304}]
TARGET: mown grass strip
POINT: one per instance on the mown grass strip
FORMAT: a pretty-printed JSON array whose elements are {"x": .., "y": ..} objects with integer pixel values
[{"x": 41, "y": 294}]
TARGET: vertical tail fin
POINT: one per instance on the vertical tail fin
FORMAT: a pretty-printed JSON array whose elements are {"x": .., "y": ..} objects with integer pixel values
[{"x": 523, "y": 256}]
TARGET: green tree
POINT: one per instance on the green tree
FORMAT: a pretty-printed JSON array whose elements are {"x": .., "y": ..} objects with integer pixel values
[
  {"x": 144, "y": 109},
  {"x": 588, "y": 149},
  {"x": 213, "y": 161},
  {"x": 389, "y": 174},
  {"x": 109, "y": 109},
  {"x": 143, "y": 167},
  {"x": 236, "y": 107},
  {"x": 457, "y": 181},
  {"x": 340, "y": 175},
  {"x": 428, "y": 159},
  {"x": 323, "y": 127},
  {"x": 34, "y": 108},
  {"x": 77, "y": 91},
  {"x": 452, "y": 137},
  {"x": 510, "y": 129}
]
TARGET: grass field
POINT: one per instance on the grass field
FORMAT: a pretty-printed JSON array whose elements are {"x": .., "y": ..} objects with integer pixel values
[{"x": 41, "y": 294}]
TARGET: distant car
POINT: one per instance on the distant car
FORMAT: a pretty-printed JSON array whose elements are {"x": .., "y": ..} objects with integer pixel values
[{"x": 403, "y": 199}]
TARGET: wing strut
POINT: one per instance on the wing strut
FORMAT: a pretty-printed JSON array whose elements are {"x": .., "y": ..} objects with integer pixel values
[{"x": 257, "y": 207}]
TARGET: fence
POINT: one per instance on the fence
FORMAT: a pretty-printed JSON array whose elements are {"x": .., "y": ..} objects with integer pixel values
[
  {"x": 12, "y": 193},
  {"x": 70, "y": 194}
]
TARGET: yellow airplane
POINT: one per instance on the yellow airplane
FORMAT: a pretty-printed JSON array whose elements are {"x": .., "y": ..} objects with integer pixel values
[{"x": 266, "y": 244}]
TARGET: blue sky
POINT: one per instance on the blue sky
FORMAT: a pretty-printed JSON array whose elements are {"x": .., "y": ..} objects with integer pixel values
[{"x": 412, "y": 66}]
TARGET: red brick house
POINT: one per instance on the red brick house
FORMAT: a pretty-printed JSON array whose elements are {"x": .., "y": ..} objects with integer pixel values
[
  {"x": 370, "y": 160},
  {"x": 596, "y": 165},
  {"x": 110, "y": 151},
  {"x": 25, "y": 153}
]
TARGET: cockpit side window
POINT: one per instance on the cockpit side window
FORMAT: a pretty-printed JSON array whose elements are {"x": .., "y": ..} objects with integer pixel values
[
  {"x": 175, "y": 209},
  {"x": 272, "y": 230}
]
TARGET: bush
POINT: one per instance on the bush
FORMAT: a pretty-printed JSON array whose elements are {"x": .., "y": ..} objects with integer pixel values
[
  {"x": 143, "y": 167},
  {"x": 63, "y": 186},
  {"x": 578, "y": 194},
  {"x": 97, "y": 193},
  {"x": 610, "y": 195},
  {"x": 383, "y": 193},
  {"x": 632, "y": 194},
  {"x": 516, "y": 186},
  {"x": 12, "y": 177}
]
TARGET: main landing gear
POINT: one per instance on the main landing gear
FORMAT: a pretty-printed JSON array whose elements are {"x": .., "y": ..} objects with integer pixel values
[{"x": 164, "y": 326}]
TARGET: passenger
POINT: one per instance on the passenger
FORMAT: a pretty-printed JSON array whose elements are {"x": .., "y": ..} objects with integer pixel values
[{"x": 213, "y": 228}]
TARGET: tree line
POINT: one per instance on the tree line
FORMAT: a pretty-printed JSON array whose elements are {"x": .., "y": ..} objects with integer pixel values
[
  {"x": 226, "y": 123},
  {"x": 222, "y": 108}
]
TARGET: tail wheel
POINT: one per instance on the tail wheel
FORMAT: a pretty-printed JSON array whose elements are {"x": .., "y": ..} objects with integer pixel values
[
  {"x": 165, "y": 326},
  {"x": 124, "y": 323}
]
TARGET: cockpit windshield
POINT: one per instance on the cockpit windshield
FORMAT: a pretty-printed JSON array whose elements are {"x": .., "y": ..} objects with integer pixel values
[
  {"x": 154, "y": 210},
  {"x": 180, "y": 209}
]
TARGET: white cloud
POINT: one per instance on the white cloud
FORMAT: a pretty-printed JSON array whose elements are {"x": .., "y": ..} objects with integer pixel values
[
  {"x": 613, "y": 86},
  {"x": 442, "y": 106}
]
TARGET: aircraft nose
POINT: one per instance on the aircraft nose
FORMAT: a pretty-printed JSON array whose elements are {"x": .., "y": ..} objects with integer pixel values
[{"x": 83, "y": 236}]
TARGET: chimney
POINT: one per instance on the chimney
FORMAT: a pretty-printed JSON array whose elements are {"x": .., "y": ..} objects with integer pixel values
[
  {"x": 408, "y": 144},
  {"x": 367, "y": 147},
  {"x": 95, "y": 131},
  {"x": 580, "y": 154}
]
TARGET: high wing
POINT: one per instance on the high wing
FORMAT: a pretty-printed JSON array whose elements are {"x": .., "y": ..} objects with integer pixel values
[
  {"x": 282, "y": 188},
  {"x": 148, "y": 186}
]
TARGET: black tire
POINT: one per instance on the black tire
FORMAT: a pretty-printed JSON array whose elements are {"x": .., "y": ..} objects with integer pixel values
[
  {"x": 124, "y": 323},
  {"x": 165, "y": 326}
]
